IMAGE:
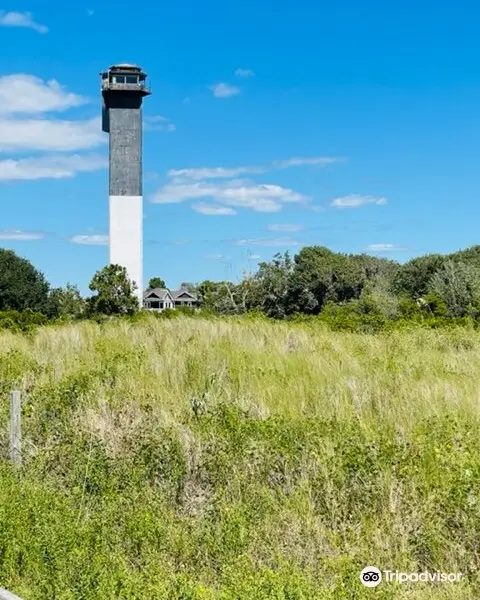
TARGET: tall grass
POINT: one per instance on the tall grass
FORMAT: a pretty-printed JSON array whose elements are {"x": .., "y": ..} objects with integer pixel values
[{"x": 236, "y": 459}]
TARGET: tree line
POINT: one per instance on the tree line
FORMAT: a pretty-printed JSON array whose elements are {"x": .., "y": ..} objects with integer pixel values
[
  {"x": 315, "y": 282},
  {"x": 318, "y": 281}
]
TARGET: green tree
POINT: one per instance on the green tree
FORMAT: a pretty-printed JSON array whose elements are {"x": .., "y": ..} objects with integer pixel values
[
  {"x": 67, "y": 302},
  {"x": 470, "y": 256},
  {"x": 206, "y": 292},
  {"x": 413, "y": 278},
  {"x": 458, "y": 286},
  {"x": 156, "y": 282},
  {"x": 377, "y": 294},
  {"x": 380, "y": 272},
  {"x": 224, "y": 297},
  {"x": 114, "y": 292},
  {"x": 432, "y": 305},
  {"x": 210, "y": 293},
  {"x": 321, "y": 276},
  {"x": 270, "y": 286},
  {"x": 315, "y": 276},
  {"x": 378, "y": 300},
  {"x": 21, "y": 285}
]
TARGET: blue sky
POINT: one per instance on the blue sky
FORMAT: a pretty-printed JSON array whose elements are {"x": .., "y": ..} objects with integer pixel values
[{"x": 354, "y": 125}]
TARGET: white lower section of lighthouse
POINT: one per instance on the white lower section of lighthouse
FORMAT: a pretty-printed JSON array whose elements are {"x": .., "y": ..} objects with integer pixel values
[{"x": 125, "y": 237}]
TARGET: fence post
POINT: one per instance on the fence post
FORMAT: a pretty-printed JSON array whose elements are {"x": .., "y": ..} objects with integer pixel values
[
  {"x": 6, "y": 595},
  {"x": 15, "y": 428}
]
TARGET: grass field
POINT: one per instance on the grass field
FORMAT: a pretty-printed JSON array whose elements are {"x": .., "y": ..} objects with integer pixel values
[{"x": 238, "y": 459}]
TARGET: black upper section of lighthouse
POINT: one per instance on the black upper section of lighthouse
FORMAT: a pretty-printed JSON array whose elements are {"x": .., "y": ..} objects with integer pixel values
[
  {"x": 123, "y": 86},
  {"x": 123, "y": 89}
]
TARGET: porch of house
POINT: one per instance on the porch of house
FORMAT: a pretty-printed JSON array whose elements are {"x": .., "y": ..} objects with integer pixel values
[{"x": 159, "y": 305}]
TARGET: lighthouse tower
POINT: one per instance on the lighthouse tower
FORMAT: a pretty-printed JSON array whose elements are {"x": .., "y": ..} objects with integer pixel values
[{"x": 123, "y": 89}]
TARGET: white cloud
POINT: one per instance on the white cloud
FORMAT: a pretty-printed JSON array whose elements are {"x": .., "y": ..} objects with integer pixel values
[
  {"x": 196, "y": 183},
  {"x": 285, "y": 228},
  {"x": 28, "y": 94},
  {"x": 262, "y": 190},
  {"x": 211, "y": 209},
  {"x": 354, "y": 200},
  {"x": 224, "y": 90},
  {"x": 266, "y": 205},
  {"x": 227, "y": 172},
  {"x": 217, "y": 257},
  {"x": 268, "y": 242},
  {"x": 24, "y": 100},
  {"x": 240, "y": 193},
  {"x": 213, "y": 172},
  {"x": 299, "y": 161},
  {"x": 158, "y": 123},
  {"x": 244, "y": 73},
  {"x": 384, "y": 248},
  {"x": 90, "y": 240},
  {"x": 178, "y": 192},
  {"x": 19, "y": 235},
  {"x": 50, "y": 135},
  {"x": 21, "y": 19},
  {"x": 50, "y": 166},
  {"x": 156, "y": 119},
  {"x": 254, "y": 257}
]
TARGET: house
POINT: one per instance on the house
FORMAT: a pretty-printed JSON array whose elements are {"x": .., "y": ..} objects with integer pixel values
[
  {"x": 159, "y": 299},
  {"x": 183, "y": 297}
]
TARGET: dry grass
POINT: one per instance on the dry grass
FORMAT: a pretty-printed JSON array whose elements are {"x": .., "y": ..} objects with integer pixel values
[
  {"x": 269, "y": 367},
  {"x": 333, "y": 463}
]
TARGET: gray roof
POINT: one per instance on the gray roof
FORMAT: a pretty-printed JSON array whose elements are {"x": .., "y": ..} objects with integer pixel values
[
  {"x": 124, "y": 66},
  {"x": 161, "y": 293},
  {"x": 177, "y": 293}
]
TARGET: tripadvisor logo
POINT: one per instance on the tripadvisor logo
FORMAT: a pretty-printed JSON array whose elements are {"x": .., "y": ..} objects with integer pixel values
[{"x": 371, "y": 577}]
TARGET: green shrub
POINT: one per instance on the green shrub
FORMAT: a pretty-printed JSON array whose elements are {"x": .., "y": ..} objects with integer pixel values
[
  {"x": 25, "y": 321},
  {"x": 354, "y": 316}
]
